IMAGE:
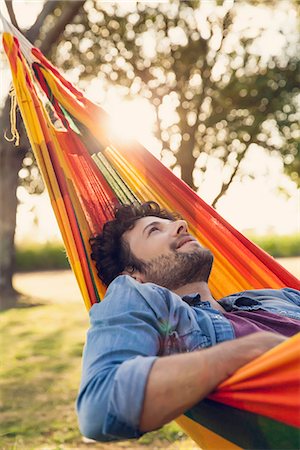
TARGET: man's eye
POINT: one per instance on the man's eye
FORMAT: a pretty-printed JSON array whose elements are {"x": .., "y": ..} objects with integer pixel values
[{"x": 152, "y": 229}]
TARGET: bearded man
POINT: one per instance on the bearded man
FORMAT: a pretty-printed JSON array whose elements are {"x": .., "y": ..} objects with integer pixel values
[{"x": 159, "y": 342}]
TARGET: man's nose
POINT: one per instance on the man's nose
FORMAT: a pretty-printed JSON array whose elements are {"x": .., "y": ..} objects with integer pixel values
[{"x": 180, "y": 227}]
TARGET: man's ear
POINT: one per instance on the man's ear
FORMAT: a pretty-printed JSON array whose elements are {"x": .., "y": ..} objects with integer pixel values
[{"x": 135, "y": 274}]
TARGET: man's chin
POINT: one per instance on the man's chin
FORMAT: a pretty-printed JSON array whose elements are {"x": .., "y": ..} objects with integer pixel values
[{"x": 193, "y": 263}]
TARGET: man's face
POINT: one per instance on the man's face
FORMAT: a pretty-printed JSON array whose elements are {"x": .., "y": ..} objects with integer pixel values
[{"x": 172, "y": 257}]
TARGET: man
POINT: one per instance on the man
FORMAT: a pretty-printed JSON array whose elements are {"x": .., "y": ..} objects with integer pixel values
[{"x": 159, "y": 342}]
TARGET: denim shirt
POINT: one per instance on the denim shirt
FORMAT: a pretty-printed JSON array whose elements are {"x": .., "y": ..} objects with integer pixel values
[{"x": 136, "y": 323}]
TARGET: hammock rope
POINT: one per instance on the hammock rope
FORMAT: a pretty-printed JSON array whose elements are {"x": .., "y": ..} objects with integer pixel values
[{"x": 87, "y": 172}]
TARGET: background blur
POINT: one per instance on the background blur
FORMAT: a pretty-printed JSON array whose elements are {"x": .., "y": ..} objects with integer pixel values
[{"x": 212, "y": 89}]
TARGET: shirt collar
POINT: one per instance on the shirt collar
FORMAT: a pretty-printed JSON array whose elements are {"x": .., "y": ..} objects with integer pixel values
[{"x": 192, "y": 299}]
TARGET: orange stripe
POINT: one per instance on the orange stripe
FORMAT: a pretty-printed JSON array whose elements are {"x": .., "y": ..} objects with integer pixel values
[{"x": 266, "y": 383}]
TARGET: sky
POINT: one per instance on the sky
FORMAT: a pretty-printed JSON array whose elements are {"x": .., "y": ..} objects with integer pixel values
[{"x": 268, "y": 204}]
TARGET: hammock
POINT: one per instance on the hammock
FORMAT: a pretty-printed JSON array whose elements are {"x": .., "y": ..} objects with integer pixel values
[{"x": 87, "y": 172}]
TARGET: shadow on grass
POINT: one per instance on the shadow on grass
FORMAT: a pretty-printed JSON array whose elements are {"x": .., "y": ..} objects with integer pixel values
[
  {"x": 38, "y": 388},
  {"x": 20, "y": 301}
]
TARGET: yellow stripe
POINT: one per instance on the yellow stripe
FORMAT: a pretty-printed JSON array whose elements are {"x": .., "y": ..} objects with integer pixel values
[{"x": 206, "y": 439}]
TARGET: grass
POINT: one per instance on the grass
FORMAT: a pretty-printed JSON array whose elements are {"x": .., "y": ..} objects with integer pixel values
[
  {"x": 39, "y": 380},
  {"x": 40, "y": 375}
]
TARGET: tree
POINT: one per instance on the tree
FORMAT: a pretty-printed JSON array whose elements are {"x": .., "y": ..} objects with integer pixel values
[
  {"x": 11, "y": 159},
  {"x": 227, "y": 94}
]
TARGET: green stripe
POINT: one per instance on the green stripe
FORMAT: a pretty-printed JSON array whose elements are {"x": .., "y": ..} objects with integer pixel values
[
  {"x": 245, "y": 429},
  {"x": 116, "y": 183}
]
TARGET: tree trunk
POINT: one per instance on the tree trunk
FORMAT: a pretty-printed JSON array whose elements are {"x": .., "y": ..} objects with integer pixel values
[
  {"x": 10, "y": 163},
  {"x": 11, "y": 158},
  {"x": 186, "y": 161}
]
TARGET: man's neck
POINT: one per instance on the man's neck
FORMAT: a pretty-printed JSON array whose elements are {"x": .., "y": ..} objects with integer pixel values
[{"x": 202, "y": 288}]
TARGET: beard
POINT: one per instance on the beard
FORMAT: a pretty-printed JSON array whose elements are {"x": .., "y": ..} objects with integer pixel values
[{"x": 177, "y": 269}]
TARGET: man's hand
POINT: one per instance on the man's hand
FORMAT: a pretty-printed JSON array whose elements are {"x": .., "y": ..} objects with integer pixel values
[
  {"x": 178, "y": 382},
  {"x": 242, "y": 351}
]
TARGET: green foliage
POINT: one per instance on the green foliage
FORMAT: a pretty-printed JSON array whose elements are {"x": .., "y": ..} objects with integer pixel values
[
  {"x": 41, "y": 257},
  {"x": 279, "y": 246},
  {"x": 39, "y": 379}
]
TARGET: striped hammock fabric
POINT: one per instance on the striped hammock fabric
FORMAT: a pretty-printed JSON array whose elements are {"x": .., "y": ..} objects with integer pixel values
[{"x": 87, "y": 172}]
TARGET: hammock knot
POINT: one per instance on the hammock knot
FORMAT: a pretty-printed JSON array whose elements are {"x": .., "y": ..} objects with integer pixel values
[{"x": 15, "y": 136}]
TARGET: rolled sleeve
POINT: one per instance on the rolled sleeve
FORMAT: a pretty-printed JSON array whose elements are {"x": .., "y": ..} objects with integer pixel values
[
  {"x": 109, "y": 407},
  {"x": 124, "y": 419},
  {"x": 120, "y": 350}
]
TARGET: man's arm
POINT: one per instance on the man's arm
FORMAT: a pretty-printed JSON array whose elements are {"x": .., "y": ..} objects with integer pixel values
[{"x": 178, "y": 382}]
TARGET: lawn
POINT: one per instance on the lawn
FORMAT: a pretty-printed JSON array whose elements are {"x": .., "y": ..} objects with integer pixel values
[{"x": 40, "y": 377}]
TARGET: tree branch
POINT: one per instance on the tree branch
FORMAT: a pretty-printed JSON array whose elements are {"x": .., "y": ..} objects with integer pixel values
[
  {"x": 225, "y": 186},
  {"x": 68, "y": 14},
  {"x": 49, "y": 8},
  {"x": 11, "y": 13}
]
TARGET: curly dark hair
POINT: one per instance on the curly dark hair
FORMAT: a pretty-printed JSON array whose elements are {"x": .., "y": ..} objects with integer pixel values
[{"x": 111, "y": 254}]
